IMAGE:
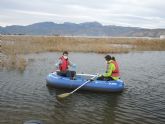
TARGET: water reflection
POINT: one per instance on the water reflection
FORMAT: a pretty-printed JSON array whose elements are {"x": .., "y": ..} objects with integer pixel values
[{"x": 85, "y": 107}]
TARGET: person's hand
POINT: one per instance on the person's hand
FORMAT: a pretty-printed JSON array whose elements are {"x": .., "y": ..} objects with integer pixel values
[
  {"x": 100, "y": 75},
  {"x": 56, "y": 66},
  {"x": 74, "y": 65}
]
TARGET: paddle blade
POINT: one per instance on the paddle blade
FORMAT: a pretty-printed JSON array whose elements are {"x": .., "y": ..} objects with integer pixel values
[{"x": 63, "y": 95}]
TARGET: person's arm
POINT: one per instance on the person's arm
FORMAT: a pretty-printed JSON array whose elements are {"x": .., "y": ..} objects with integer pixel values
[
  {"x": 109, "y": 71},
  {"x": 58, "y": 63},
  {"x": 72, "y": 64}
]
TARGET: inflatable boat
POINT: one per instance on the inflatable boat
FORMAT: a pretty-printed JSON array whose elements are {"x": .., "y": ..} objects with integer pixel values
[{"x": 93, "y": 85}]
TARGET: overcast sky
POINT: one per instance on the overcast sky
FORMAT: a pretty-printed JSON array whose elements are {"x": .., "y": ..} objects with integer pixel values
[{"x": 134, "y": 13}]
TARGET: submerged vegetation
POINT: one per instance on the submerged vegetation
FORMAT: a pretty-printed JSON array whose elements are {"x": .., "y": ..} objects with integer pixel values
[{"x": 14, "y": 46}]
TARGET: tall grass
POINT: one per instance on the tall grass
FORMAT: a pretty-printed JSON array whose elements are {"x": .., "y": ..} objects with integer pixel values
[{"x": 13, "y": 46}]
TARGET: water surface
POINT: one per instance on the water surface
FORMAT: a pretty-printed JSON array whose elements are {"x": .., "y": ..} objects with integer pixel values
[{"x": 25, "y": 96}]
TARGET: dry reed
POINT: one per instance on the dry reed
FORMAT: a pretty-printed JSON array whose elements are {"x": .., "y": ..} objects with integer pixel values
[{"x": 13, "y": 46}]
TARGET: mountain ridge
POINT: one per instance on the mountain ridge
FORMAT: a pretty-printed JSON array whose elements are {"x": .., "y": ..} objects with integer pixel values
[{"x": 81, "y": 29}]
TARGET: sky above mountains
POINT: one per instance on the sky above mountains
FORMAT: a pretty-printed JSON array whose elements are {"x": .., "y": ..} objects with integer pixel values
[{"x": 133, "y": 13}]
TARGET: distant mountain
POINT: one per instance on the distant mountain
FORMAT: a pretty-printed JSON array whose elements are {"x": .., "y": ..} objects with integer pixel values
[{"x": 82, "y": 29}]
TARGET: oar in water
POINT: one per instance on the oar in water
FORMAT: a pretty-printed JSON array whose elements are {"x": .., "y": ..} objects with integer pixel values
[{"x": 67, "y": 94}]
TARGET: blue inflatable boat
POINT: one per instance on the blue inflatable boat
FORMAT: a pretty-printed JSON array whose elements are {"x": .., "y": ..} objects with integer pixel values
[{"x": 95, "y": 85}]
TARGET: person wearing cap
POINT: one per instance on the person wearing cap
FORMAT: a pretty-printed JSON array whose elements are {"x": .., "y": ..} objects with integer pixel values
[
  {"x": 63, "y": 66},
  {"x": 112, "y": 70}
]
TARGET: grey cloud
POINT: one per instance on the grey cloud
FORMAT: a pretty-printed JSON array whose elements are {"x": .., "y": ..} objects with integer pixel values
[{"x": 148, "y": 13}]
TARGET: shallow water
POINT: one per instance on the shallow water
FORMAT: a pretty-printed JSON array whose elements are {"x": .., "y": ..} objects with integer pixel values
[{"x": 25, "y": 96}]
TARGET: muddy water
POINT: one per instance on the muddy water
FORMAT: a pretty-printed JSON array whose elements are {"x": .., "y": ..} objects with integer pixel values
[{"x": 25, "y": 96}]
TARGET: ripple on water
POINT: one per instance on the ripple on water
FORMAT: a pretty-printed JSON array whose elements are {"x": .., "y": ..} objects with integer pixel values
[{"x": 24, "y": 96}]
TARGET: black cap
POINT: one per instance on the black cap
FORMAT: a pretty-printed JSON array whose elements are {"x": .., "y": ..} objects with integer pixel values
[
  {"x": 65, "y": 52},
  {"x": 108, "y": 57}
]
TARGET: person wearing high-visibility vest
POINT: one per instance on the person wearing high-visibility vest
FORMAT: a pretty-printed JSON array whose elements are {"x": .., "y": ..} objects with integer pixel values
[
  {"x": 63, "y": 66},
  {"x": 112, "y": 69}
]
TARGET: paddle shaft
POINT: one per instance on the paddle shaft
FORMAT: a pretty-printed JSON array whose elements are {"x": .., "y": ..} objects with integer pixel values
[{"x": 82, "y": 85}]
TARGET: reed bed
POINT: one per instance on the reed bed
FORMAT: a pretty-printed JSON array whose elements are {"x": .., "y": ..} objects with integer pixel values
[{"x": 14, "y": 46}]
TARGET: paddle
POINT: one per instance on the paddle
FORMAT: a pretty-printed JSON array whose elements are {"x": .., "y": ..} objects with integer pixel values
[{"x": 67, "y": 94}]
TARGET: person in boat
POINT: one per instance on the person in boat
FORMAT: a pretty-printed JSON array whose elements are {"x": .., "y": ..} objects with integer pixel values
[
  {"x": 112, "y": 70},
  {"x": 63, "y": 66}
]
